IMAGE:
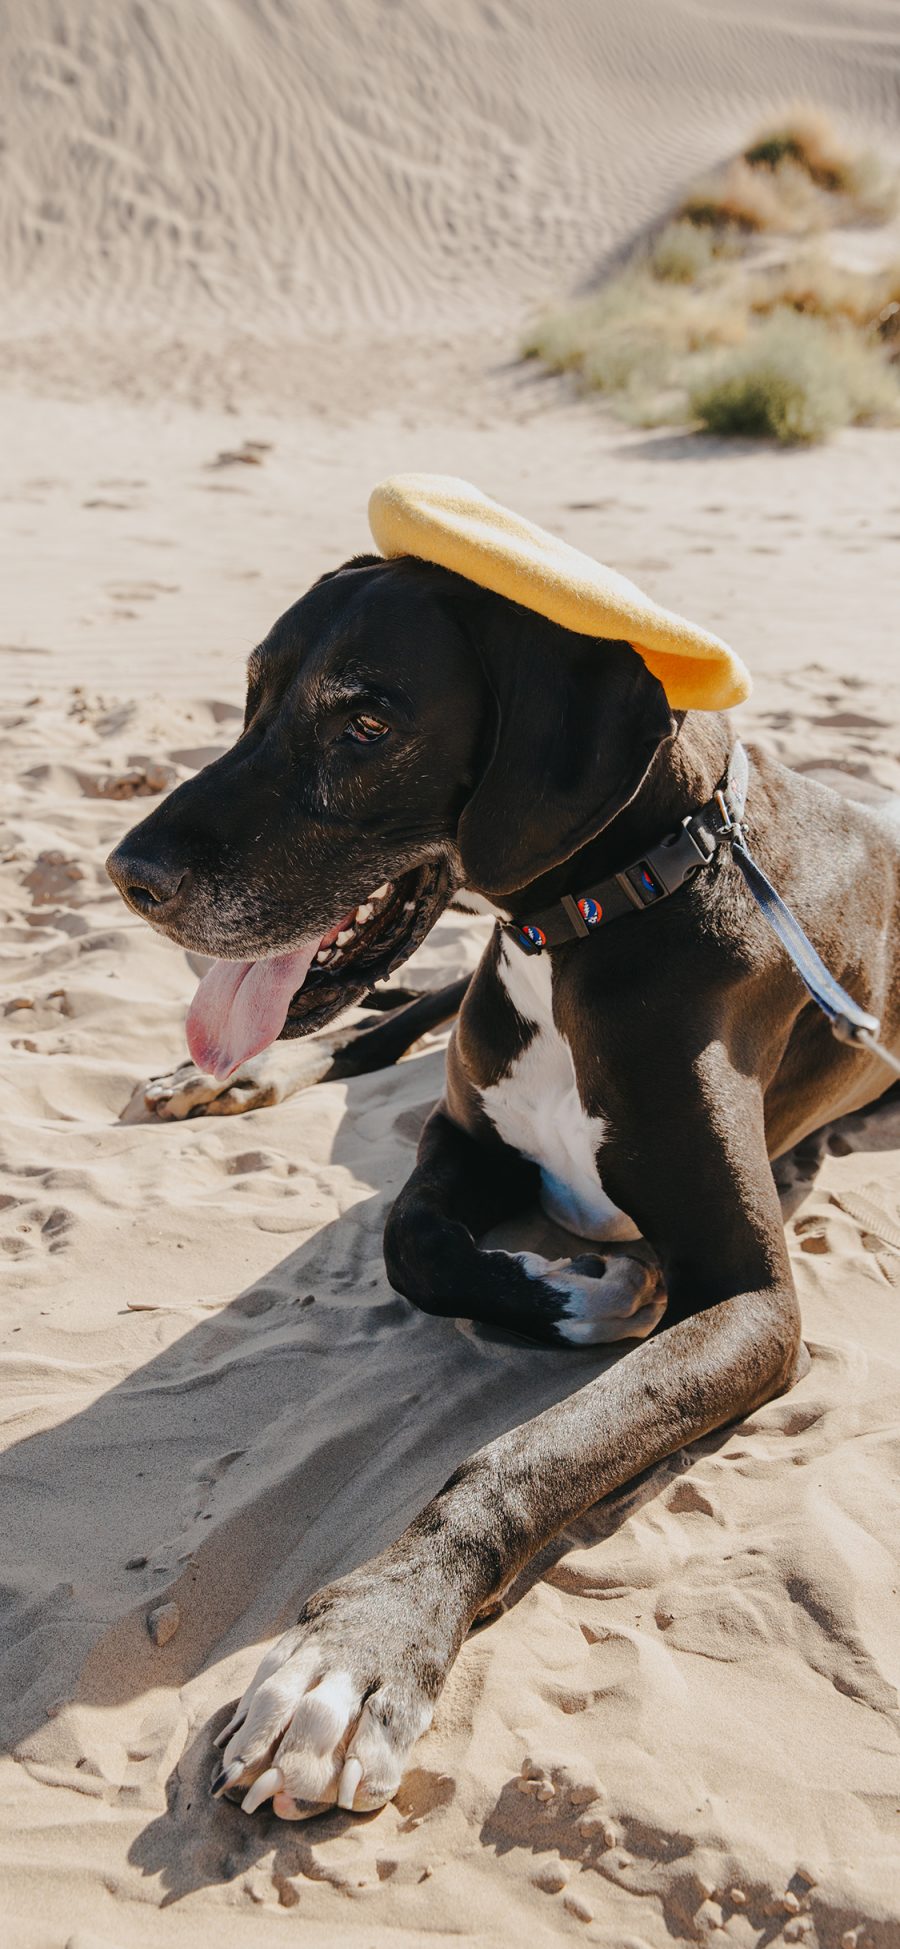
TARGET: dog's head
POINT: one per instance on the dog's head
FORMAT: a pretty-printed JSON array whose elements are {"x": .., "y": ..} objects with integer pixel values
[{"x": 406, "y": 733}]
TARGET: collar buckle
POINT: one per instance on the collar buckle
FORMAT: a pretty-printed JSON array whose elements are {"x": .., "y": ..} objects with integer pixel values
[{"x": 661, "y": 871}]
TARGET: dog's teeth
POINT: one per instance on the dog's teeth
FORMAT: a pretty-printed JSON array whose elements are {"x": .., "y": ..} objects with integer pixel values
[
  {"x": 381, "y": 893},
  {"x": 363, "y": 914},
  {"x": 323, "y": 955},
  {"x": 409, "y": 906},
  {"x": 346, "y": 936}
]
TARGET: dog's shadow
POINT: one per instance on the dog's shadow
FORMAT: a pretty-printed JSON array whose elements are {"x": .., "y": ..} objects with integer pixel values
[{"x": 289, "y": 1436}]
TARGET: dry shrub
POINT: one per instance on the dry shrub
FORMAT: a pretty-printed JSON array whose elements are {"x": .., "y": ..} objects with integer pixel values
[
  {"x": 738, "y": 196},
  {"x": 683, "y": 251},
  {"x": 795, "y": 381},
  {"x": 820, "y": 289},
  {"x": 809, "y": 345},
  {"x": 806, "y": 136},
  {"x": 868, "y": 300},
  {"x": 633, "y": 338},
  {"x": 806, "y": 139}
]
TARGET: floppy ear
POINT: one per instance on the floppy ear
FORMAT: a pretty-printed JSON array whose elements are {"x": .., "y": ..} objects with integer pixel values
[
  {"x": 354, "y": 561},
  {"x": 579, "y": 722}
]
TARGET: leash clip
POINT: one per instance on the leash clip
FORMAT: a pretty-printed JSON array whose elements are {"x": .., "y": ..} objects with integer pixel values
[
  {"x": 731, "y": 827},
  {"x": 728, "y": 823}
]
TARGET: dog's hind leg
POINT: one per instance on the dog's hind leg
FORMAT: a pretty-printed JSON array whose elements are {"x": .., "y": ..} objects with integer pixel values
[{"x": 289, "y": 1066}]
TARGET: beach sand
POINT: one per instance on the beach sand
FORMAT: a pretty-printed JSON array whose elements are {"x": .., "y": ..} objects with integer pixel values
[{"x": 319, "y": 231}]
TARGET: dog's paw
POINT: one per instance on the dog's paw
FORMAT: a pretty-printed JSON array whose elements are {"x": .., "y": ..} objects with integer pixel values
[
  {"x": 607, "y": 1298},
  {"x": 186, "y": 1092},
  {"x": 332, "y": 1714},
  {"x": 266, "y": 1079}
]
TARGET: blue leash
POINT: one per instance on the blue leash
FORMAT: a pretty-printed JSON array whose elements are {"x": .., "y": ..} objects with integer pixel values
[{"x": 849, "y": 1022}]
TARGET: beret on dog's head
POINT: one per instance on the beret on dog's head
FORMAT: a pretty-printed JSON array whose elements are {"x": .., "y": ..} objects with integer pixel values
[{"x": 442, "y": 520}]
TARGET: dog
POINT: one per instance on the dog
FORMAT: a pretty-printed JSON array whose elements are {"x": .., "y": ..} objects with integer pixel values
[{"x": 411, "y": 738}]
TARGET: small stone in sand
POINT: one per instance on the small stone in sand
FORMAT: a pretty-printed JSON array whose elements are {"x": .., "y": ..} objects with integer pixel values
[
  {"x": 551, "y": 1877},
  {"x": 737, "y": 1897},
  {"x": 578, "y": 1908},
  {"x": 163, "y": 1623}
]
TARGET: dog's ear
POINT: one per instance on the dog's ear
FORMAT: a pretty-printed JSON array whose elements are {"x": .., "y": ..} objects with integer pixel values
[
  {"x": 578, "y": 724},
  {"x": 355, "y": 561}
]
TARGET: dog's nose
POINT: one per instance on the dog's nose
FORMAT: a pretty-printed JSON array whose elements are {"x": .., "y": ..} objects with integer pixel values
[{"x": 149, "y": 886}]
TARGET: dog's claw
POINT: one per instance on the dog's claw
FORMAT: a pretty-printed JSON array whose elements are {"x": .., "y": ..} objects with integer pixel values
[
  {"x": 269, "y": 1783},
  {"x": 349, "y": 1781},
  {"x": 225, "y": 1778},
  {"x": 234, "y": 1724}
]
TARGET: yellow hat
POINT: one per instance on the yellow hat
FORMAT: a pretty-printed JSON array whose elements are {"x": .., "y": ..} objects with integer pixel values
[{"x": 446, "y": 521}]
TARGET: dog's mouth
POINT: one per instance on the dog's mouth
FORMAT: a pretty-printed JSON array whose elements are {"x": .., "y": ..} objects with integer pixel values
[{"x": 242, "y": 1006}]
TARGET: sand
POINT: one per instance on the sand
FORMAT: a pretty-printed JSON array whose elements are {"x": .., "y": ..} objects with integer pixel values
[{"x": 318, "y": 230}]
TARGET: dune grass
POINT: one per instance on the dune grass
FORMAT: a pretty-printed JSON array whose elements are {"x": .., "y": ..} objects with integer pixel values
[
  {"x": 734, "y": 315},
  {"x": 795, "y": 380},
  {"x": 808, "y": 141}
]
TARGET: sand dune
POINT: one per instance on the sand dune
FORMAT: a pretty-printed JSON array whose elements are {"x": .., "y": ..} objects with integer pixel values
[
  {"x": 317, "y": 229},
  {"x": 250, "y": 179}
]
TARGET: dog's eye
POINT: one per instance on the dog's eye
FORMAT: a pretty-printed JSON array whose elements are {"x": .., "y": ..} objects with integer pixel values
[{"x": 366, "y": 730}]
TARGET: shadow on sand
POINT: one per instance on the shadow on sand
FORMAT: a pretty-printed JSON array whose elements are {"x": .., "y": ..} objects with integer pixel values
[{"x": 288, "y": 1437}]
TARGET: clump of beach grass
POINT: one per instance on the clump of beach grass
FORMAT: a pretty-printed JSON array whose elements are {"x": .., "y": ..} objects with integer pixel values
[
  {"x": 795, "y": 380},
  {"x": 814, "y": 285},
  {"x": 733, "y": 315},
  {"x": 807, "y": 140},
  {"x": 682, "y": 252},
  {"x": 751, "y": 199}
]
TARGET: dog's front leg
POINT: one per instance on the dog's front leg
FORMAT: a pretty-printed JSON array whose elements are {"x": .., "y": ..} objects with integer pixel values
[
  {"x": 459, "y": 1190},
  {"x": 337, "y": 1705},
  {"x": 356, "y": 1049}
]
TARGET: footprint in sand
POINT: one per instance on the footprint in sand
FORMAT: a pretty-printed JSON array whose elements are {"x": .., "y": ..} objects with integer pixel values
[
  {"x": 812, "y": 1234},
  {"x": 139, "y": 780},
  {"x": 870, "y": 1213},
  {"x": 688, "y": 1499},
  {"x": 851, "y": 721},
  {"x": 142, "y": 591},
  {"x": 54, "y": 877},
  {"x": 249, "y": 454},
  {"x": 30, "y": 1227}
]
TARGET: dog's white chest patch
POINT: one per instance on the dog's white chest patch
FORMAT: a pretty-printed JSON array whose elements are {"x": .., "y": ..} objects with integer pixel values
[{"x": 537, "y": 1109}]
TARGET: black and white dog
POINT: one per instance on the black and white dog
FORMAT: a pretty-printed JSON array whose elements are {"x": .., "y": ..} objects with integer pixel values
[{"x": 408, "y": 735}]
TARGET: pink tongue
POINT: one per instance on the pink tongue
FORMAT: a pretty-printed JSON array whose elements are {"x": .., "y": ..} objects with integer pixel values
[{"x": 241, "y": 1006}]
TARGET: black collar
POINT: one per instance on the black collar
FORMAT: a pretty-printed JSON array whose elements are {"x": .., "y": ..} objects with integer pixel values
[{"x": 660, "y": 871}]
